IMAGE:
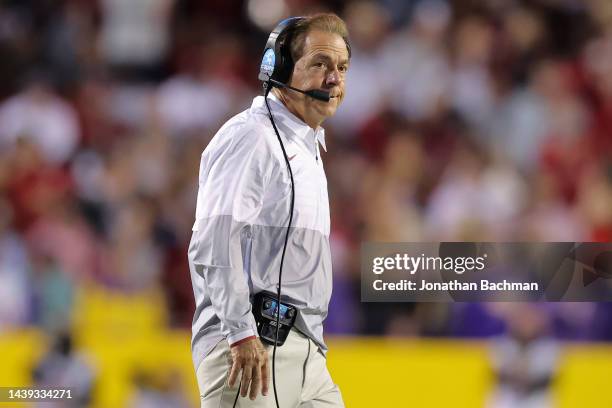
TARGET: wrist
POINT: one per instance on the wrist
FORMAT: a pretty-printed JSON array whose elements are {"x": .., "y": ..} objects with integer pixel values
[
  {"x": 247, "y": 329},
  {"x": 239, "y": 342}
]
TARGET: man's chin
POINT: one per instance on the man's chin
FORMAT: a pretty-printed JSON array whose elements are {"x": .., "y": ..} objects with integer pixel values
[
  {"x": 329, "y": 108},
  {"x": 329, "y": 112}
]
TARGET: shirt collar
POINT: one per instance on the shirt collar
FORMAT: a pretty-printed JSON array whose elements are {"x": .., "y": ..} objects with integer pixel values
[{"x": 289, "y": 120}]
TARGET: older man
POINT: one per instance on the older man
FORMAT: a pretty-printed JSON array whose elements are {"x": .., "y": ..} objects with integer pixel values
[{"x": 263, "y": 206}]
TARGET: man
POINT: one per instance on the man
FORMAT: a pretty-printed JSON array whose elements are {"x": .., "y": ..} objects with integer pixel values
[{"x": 243, "y": 208}]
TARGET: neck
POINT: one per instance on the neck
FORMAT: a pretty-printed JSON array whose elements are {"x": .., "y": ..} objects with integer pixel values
[{"x": 291, "y": 100}]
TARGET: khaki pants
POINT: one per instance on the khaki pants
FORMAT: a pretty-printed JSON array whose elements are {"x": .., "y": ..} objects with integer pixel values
[{"x": 302, "y": 379}]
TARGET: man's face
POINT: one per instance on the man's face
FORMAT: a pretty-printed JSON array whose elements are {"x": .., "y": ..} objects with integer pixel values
[{"x": 323, "y": 66}]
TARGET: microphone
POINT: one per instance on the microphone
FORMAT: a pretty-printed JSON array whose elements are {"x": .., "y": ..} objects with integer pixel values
[{"x": 313, "y": 93}]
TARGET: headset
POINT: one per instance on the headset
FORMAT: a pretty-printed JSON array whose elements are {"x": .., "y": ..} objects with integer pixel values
[{"x": 275, "y": 71}]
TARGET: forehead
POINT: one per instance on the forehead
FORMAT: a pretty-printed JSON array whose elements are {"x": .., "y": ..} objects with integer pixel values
[{"x": 322, "y": 42}]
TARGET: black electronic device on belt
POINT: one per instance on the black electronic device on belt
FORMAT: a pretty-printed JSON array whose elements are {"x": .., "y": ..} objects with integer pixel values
[{"x": 265, "y": 310}]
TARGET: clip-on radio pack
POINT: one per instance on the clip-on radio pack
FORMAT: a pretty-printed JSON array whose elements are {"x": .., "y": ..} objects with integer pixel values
[{"x": 265, "y": 309}]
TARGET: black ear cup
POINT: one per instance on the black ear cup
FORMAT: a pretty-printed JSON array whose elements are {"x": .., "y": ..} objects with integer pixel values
[
  {"x": 277, "y": 63},
  {"x": 285, "y": 67}
]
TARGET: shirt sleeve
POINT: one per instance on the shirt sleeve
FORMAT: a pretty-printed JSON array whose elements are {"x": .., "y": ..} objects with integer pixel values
[{"x": 232, "y": 182}]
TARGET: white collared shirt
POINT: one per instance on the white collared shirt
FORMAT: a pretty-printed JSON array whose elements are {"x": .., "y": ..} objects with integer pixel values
[{"x": 241, "y": 219}]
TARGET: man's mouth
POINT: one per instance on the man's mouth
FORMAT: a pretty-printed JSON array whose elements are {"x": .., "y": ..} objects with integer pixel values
[{"x": 332, "y": 94}]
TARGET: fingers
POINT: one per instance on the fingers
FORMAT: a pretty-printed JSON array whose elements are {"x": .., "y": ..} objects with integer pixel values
[
  {"x": 247, "y": 374},
  {"x": 236, "y": 367},
  {"x": 265, "y": 377},
  {"x": 255, "y": 382},
  {"x": 259, "y": 380}
]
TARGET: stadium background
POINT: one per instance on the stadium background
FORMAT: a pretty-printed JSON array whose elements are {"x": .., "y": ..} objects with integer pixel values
[{"x": 464, "y": 120}]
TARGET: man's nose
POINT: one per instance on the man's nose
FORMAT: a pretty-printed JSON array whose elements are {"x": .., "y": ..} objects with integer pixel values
[{"x": 333, "y": 77}]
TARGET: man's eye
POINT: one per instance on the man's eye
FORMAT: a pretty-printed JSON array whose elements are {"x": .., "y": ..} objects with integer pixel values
[
  {"x": 343, "y": 68},
  {"x": 319, "y": 64}
]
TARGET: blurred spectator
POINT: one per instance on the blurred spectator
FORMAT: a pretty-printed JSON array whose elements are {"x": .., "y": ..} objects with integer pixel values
[
  {"x": 31, "y": 184},
  {"x": 390, "y": 209},
  {"x": 368, "y": 24},
  {"x": 53, "y": 295},
  {"x": 549, "y": 215},
  {"x": 211, "y": 83},
  {"x": 62, "y": 367},
  {"x": 595, "y": 196},
  {"x": 15, "y": 285},
  {"x": 471, "y": 92},
  {"x": 69, "y": 41},
  {"x": 477, "y": 198},
  {"x": 519, "y": 125},
  {"x": 62, "y": 234},
  {"x": 136, "y": 260},
  {"x": 525, "y": 360},
  {"x": 135, "y": 35},
  {"x": 38, "y": 114},
  {"x": 416, "y": 66}
]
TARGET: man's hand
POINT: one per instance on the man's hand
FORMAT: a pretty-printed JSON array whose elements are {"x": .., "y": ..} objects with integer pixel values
[{"x": 250, "y": 357}]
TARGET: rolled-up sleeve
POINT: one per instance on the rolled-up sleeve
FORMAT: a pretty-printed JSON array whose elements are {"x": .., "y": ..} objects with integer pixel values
[{"x": 232, "y": 182}]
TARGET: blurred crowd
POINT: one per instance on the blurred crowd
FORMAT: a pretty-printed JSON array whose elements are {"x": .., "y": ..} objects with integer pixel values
[{"x": 464, "y": 120}]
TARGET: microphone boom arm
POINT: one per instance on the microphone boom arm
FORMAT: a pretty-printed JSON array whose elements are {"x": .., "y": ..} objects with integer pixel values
[{"x": 313, "y": 93}]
